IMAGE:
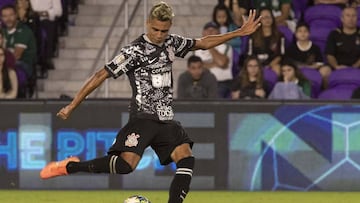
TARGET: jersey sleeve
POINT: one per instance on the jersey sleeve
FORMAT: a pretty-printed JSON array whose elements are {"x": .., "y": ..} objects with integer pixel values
[
  {"x": 123, "y": 62},
  {"x": 182, "y": 45}
]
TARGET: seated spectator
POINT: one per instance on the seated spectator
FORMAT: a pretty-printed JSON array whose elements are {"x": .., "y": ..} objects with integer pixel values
[
  {"x": 355, "y": 3},
  {"x": 281, "y": 9},
  {"x": 221, "y": 16},
  {"x": 218, "y": 60},
  {"x": 292, "y": 84},
  {"x": 238, "y": 9},
  {"x": 197, "y": 82},
  {"x": 267, "y": 43},
  {"x": 10, "y": 58},
  {"x": 250, "y": 83},
  {"x": 48, "y": 10},
  {"x": 27, "y": 16},
  {"x": 9, "y": 83},
  {"x": 304, "y": 53},
  {"x": 19, "y": 40},
  {"x": 343, "y": 45}
]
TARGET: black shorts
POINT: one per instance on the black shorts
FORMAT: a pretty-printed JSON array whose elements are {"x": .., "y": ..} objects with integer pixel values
[{"x": 163, "y": 137}]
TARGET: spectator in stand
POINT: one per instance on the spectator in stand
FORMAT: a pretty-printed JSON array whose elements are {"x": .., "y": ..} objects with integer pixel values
[
  {"x": 267, "y": 43},
  {"x": 222, "y": 16},
  {"x": 48, "y": 10},
  {"x": 10, "y": 58},
  {"x": 197, "y": 82},
  {"x": 238, "y": 9},
  {"x": 9, "y": 83},
  {"x": 304, "y": 53},
  {"x": 250, "y": 83},
  {"x": 281, "y": 9},
  {"x": 355, "y": 3},
  {"x": 27, "y": 16},
  {"x": 218, "y": 60},
  {"x": 19, "y": 40},
  {"x": 343, "y": 45},
  {"x": 292, "y": 84}
]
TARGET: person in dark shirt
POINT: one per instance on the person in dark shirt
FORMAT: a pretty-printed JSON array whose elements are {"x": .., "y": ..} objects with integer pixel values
[
  {"x": 197, "y": 82},
  {"x": 343, "y": 45},
  {"x": 304, "y": 53},
  {"x": 250, "y": 83},
  {"x": 267, "y": 43},
  {"x": 147, "y": 62}
]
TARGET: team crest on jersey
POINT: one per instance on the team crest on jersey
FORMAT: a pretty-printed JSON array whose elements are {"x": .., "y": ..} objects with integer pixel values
[{"x": 132, "y": 140}]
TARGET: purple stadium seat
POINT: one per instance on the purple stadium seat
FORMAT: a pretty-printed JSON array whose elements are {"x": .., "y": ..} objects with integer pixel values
[
  {"x": 299, "y": 7},
  {"x": 342, "y": 83},
  {"x": 6, "y": 2},
  {"x": 270, "y": 76},
  {"x": 315, "y": 78},
  {"x": 288, "y": 34},
  {"x": 324, "y": 12},
  {"x": 319, "y": 36},
  {"x": 346, "y": 76},
  {"x": 342, "y": 92}
]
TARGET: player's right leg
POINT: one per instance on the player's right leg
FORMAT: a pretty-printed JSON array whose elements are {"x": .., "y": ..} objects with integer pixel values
[
  {"x": 122, "y": 158},
  {"x": 123, "y": 163}
]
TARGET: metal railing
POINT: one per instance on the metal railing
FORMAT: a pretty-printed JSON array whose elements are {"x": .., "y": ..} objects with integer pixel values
[{"x": 123, "y": 38}]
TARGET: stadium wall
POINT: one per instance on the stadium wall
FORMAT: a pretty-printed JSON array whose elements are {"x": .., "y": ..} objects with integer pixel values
[{"x": 250, "y": 145}]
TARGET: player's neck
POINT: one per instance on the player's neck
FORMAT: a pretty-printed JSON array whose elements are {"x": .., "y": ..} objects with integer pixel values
[{"x": 148, "y": 40}]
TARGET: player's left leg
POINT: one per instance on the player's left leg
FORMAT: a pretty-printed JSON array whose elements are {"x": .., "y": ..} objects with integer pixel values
[{"x": 185, "y": 162}]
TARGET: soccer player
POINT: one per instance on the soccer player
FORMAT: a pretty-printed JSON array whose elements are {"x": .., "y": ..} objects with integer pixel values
[{"x": 147, "y": 61}]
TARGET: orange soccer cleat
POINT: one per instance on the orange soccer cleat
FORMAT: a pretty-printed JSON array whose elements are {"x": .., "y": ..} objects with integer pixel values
[{"x": 57, "y": 168}]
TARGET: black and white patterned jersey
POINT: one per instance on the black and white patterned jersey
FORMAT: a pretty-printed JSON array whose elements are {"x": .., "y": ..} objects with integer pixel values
[{"x": 149, "y": 68}]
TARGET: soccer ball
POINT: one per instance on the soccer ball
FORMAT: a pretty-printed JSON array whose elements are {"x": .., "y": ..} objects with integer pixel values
[{"x": 137, "y": 199}]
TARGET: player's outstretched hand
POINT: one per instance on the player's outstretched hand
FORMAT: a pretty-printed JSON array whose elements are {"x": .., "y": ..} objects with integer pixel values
[
  {"x": 251, "y": 24},
  {"x": 65, "y": 112}
]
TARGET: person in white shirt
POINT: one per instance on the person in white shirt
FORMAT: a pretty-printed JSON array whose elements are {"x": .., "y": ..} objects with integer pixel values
[
  {"x": 218, "y": 60},
  {"x": 48, "y": 10}
]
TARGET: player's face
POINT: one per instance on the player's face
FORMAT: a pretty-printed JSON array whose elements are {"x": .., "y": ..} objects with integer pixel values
[
  {"x": 196, "y": 70},
  {"x": 221, "y": 17},
  {"x": 253, "y": 68},
  {"x": 9, "y": 18},
  {"x": 302, "y": 33},
  {"x": 157, "y": 30},
  {"x": 349, "y": 18}
]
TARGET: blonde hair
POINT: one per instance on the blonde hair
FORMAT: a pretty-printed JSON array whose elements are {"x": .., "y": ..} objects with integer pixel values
[{"x": 162, "y": 12}]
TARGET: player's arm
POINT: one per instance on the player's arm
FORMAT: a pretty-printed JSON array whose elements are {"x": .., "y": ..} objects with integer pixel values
[
  {"x": 249, "y": 26},
  {"x": 90, "y": 85}
]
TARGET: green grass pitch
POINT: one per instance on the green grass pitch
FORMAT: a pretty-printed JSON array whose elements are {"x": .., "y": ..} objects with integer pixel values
[{"x": 55, "y": 196}]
